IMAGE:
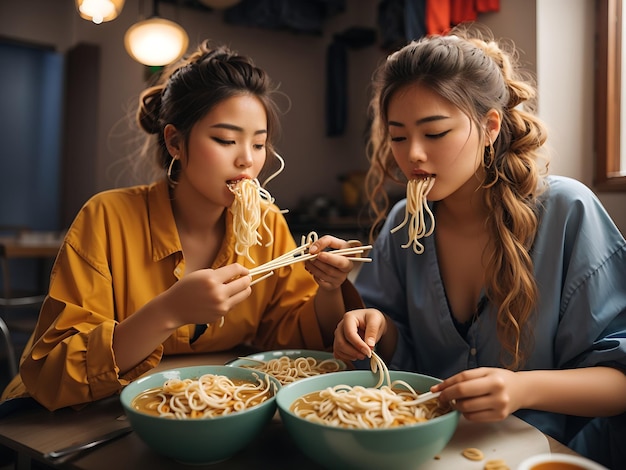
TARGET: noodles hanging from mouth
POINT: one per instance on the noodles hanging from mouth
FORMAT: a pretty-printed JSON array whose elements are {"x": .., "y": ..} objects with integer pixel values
[
  {"x": 416, "y": 204},
  {"x": 248, "y": 214},
  {"x": 207, "y": 397},
  {"x": 251, "y": 205},
  {"x": 382, "y": 406},
  {"x": 287, "y": 370}
]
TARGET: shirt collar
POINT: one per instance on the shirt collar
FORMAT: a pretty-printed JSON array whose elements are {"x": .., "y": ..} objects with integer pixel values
[{"x": 163, "y": 232}]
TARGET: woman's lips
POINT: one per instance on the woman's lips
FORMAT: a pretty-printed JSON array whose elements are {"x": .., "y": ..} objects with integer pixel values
[
  {"x": 232, "y": 183},
  {"x": 423, "y": 174}
]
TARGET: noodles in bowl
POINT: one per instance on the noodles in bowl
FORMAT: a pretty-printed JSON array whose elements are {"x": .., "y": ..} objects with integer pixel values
[
  {"x": 358, "y": 407},
  {"x": 232, "y": 407},
  {"x": 359, "y": 442},
  {"x": 290, "y": 365},
  {"x": 208, "y": 396}
]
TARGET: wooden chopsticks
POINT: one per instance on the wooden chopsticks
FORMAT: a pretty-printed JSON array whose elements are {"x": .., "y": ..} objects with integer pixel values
[{"x": 301, "y": 254}]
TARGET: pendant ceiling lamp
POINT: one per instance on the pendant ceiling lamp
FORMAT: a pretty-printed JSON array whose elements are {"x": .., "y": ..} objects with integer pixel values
[
  {"x": 99, "y": 11},
  {"x": 156, "y": 41}
]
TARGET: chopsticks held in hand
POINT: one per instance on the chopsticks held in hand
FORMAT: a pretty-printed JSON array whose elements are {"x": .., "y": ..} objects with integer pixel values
[{"x": 302, "y": 254}]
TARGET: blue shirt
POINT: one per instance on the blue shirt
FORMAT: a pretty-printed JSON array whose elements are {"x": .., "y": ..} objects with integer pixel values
[{"x": 579, "y": 260}]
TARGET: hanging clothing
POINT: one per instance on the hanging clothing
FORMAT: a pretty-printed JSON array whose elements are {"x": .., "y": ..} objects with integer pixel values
[
  {"x": 415, "y": 19},
  {"x": 336, "y": 88},
  {"x": 302, "y": 16},
  {"x": 438, "y": 16},
  {"x": 441, "y": 15},
  {"x": 402, "y": 21}
]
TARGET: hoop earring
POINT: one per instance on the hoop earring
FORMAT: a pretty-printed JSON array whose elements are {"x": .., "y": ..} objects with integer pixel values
[
  {"x": 489, "y": 155},
  {"x": 171, "y": 181},
  {"x": 491, "y": 173}
]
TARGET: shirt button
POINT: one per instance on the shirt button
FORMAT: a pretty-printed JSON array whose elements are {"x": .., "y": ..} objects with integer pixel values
[{"x": 473, "y": 351}]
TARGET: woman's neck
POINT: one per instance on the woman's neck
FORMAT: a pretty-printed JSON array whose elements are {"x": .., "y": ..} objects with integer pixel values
[
  {"x": 465, "y": 209},
  {"x": 194, "y": 215}
]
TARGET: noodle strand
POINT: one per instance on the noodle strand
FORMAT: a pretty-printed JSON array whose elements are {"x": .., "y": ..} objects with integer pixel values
[
  {"x": 416, "y": 205},
  {"x": 287, "y": 370}
]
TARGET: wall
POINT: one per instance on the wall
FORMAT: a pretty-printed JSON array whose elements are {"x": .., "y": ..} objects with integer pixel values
[
  {"x": 545, "y": 30},
  {"x": 568, "y": 25},
  {"x": 31, "y": 128},
  {"x": 297, "y": 62}
]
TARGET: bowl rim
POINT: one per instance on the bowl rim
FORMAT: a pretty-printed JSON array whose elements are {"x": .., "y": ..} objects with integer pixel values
[
  {"x": 452, "y": 414},
  {"x": 126, "y": 399},
  {"x": 278, "y": 353},
  {"x": 529, "y": 462}
]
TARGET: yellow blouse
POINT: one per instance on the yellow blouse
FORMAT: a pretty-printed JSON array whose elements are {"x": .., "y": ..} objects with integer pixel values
[{"x": 121, "y": 251}]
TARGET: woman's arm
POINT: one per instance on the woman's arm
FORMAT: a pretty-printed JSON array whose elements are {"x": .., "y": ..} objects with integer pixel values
[
  {"x": 490, "y": 394},
  {"x": 204, "y": 296},
  {"x": 588, "y": 391}
]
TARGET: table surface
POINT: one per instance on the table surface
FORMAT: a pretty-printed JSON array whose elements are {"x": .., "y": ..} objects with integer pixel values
[
  {"x": 31, "y": 245},
  {"x": 34, "y": 431}
]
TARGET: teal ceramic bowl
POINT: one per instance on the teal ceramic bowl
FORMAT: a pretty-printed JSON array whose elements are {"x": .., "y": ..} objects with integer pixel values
[
  {"x": 253, "y": 359},
  {"x": 397, "y": 448},
  {"x": 203, "y": 440}
]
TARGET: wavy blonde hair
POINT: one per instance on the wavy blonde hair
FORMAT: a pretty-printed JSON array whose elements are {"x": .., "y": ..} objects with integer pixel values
[{"x": 476, "y": 74}]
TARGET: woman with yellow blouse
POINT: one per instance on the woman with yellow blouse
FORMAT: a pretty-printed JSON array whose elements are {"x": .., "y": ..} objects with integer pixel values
[{"x": 144, "y": 269}]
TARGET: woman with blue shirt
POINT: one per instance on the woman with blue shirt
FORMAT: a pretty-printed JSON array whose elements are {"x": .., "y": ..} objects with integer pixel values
[{"x": 518, "y": 299}]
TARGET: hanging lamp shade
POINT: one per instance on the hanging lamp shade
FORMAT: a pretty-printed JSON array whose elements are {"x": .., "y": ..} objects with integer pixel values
[
  {"x": 99, "y": 11},
  {"x": 156, "y": 41}
]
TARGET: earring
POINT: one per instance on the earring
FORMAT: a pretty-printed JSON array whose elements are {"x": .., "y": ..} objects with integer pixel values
[
  {"x": 489, "y": 155},
  {"x": 172, "y": 181},
  {"x": 491, "y": 173}
]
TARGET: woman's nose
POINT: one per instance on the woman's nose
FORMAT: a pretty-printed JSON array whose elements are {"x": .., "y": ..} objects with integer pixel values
[
  {"x": 244, "y": 159},
  {"x": 416, "y": 152}
]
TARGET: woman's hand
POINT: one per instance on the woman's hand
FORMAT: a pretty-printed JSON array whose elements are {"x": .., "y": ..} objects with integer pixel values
[
  {"x": 329, "y": 270},
  {"x": 483, "y": 394},
  {"x": 207, "y": 295},
  {"x": 203, "y": 296},
  {"x": 357, "y": 334}
]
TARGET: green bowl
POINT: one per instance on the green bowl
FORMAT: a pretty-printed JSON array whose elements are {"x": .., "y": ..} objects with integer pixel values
[
  {"x": 292, "y": 353},
  {"x": 252, "y": 359},
  {"x": 404, "y": 447},
  {"x": 198, "y": 441}
]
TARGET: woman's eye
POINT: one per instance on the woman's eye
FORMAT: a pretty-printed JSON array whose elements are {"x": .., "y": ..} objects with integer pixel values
[
  {"x": 438, "y": 135},
  {"x": 259, "y": 146},
  {"x": 223, "y": 141},
  {"x": 398, "y": 139}
]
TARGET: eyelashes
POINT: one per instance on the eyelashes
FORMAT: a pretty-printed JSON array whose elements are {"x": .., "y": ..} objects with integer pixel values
[
  {"x": 437, "y": 136},
  {"x": 429, "y": 136},
  {"x": 232, "y": 142}
]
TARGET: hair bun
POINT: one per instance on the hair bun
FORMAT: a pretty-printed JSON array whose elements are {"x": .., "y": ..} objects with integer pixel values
[{"x": 149, "y": 110}]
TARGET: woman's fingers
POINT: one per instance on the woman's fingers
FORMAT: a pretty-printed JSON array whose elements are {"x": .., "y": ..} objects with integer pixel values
[{"x": 357, "y": 333}]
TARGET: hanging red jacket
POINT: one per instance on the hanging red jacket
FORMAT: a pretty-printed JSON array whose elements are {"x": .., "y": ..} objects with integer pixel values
[
  {"x": 442, "y": 14},
  {"x": 438, "y": 16}
]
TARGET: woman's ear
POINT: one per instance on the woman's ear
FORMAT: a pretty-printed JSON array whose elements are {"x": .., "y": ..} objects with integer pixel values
[
  {"x": 173, "y": 140},
  {"x": 493, "y": 121}
]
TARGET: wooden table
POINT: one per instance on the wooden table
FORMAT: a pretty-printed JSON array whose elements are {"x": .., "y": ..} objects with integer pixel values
[
  {"x": 40, "y": 245},
  {"x": 31, "y": 245},
  {"x": 34, "y": 431}
]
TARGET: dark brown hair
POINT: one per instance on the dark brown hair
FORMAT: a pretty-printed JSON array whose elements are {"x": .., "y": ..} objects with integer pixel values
[{"x": 186, "y": 91}]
